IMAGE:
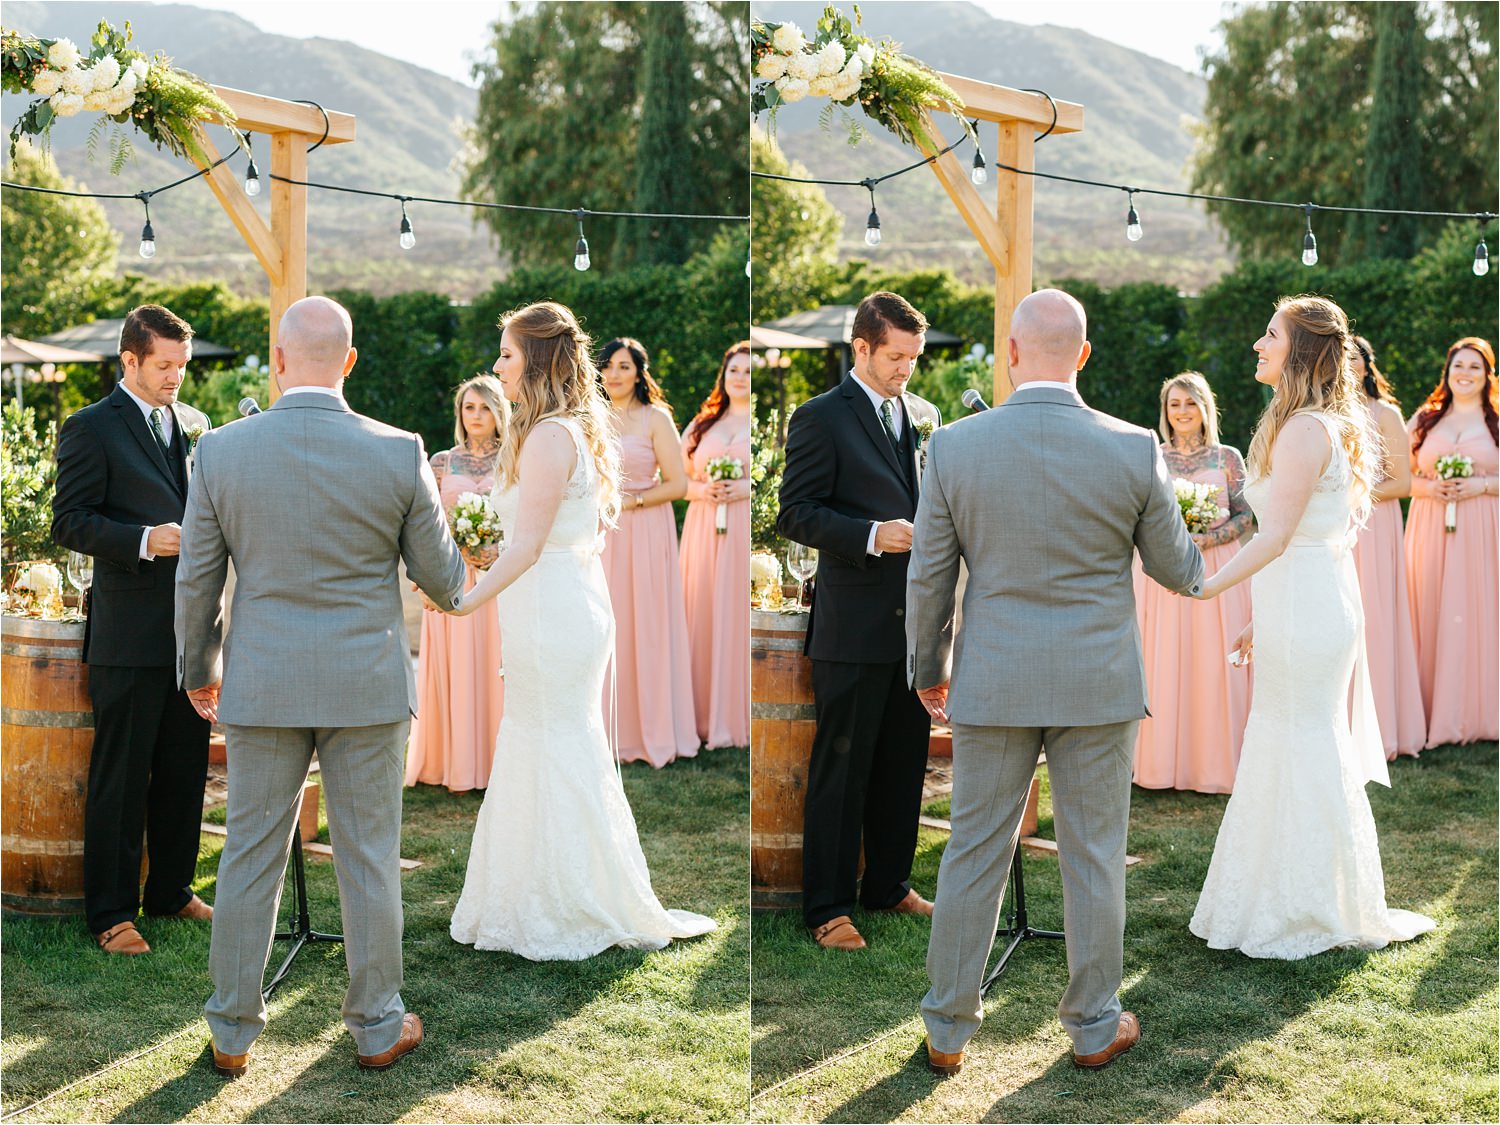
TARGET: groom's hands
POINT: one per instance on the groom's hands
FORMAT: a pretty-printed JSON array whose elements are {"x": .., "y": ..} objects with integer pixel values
[
  {"x": 205, "y": 701},
  {"x": 893, "y": 537},
  {"x": 935, "y": 700}
]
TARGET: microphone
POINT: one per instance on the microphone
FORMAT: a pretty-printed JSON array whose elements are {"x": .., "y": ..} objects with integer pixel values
[
  {"x": 249, "y": 406},
  {"x": 973, "y": 401}
]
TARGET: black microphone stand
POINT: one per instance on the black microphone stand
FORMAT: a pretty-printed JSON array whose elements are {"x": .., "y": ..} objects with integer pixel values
[
  {"x": 1017, "y": 926},
  {"x": 299, "y": 929}
]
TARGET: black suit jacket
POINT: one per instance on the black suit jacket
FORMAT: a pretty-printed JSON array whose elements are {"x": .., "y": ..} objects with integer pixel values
[
  {"x": 841, "y": 475},
  {"x": 112, "y": 483}
]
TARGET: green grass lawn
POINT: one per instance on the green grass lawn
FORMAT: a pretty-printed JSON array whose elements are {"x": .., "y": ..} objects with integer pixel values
[
  {"x": 625, "y": 1036},
  {"x": 1407, "y": 1033}
]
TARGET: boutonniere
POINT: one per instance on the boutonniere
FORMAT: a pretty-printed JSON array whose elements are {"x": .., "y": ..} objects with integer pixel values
[
  {"x": 924, "y": 431},
  {"x": 193, "y": 433}
]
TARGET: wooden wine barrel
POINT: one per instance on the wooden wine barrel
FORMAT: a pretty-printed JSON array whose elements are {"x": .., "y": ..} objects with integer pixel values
[
  {"x": 781, "y": 735},
  {"x": 44, "y": 765}
]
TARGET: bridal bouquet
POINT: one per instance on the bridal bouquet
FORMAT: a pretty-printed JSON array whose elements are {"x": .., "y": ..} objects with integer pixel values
[
  {"x": 475, "y": 523},
  {"x": 724, "y": 468},
  {"x": 1454, "y": 466},
  {"x": 1199, "y": 508}
]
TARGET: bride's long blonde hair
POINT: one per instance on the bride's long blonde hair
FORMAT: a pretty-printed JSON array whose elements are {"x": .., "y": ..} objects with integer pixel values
[
  {"x": 1316, "y": 376},
  {"x": 559, "y": 381}
]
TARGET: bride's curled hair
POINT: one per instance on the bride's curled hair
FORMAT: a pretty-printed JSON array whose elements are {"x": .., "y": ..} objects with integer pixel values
[
  {"x": 559, "y": 381},
  {"x": 1316, "y": 376}
]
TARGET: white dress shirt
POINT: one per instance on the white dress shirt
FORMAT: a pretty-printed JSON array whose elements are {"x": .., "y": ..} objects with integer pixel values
[
  {"x": 1053, "y": 384},
  {"x": 333, "y": 392},
  {"x": 168, "y": 425},
  {"x": 898, "y": 422}
]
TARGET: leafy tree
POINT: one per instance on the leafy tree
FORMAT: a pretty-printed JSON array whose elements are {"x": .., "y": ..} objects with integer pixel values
[
  {"x": 795, "y": 235},
  {"x": 664, "y": 147},
  {"x": 1394, "y": 175},
  {"x": 27, "y": 480},
  {"x": 560, "y": 117},
  {"x": 1289, "y": 106},
  {"x": 59, "y": 251}
]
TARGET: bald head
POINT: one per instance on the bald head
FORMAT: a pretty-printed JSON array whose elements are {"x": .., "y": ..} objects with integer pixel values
[
  {"x": 314, "y": 344},
  {"x": 1048, "y": 337}
]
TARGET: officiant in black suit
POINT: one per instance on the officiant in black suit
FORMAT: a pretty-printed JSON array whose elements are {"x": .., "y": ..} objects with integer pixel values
[
  {"x": 123, "y": 465},
  {"x": 849, "y": 489}
]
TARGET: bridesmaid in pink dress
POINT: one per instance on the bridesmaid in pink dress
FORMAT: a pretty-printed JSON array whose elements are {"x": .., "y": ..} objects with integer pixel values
[
  {"x": 654, "y": 716},
  {"x": 1381, "y": 562},
  {"x": 460, "y": 694},
  {"x": 1453, "y": 575},
  {"x": 715, "y": 565},
  {"x": 1199, "y": 701}
]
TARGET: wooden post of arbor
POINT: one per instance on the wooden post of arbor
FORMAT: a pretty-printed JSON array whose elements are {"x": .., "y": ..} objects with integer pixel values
[
  {"x": 1005, "y": 233},
  {"x": 281, "y": 247}
]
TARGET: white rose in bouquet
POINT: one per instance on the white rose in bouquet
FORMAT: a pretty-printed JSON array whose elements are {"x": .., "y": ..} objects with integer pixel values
[
  {"x": 866, "y": 54},
  {"x": 792, "y": 89},
  {"x": 66, "y": 105},
  {"x": 788, "y": 39},
  {"x": 47, "y": 83},
  {"x": 105, "y": 73},
  {"x": 63, "y": 54},
  {"x": 140, "y": 68},
  {"x": 773, "y": 66},
  {"x": 831, "y": 58},
  {"x": 854, "y": 68}
]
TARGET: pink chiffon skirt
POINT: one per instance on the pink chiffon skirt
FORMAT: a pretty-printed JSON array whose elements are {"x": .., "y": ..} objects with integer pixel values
[
  {"x": 1198, "y": 700},
  {"x": 716, "y": 591},
  {"x": 1391, "y": 653}
]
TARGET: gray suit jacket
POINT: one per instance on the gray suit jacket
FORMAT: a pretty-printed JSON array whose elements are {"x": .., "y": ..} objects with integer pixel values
[
  {"x": 1046, "y": 501},
  {"x": 316, "y": 505}
]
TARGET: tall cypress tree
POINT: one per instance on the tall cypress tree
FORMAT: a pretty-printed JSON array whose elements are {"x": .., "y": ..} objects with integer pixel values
[
  {"x": 1393, "y": 147},
  {"x": 664, "y": 145}
]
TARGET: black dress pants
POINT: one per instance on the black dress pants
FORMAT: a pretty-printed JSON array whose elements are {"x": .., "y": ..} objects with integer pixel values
[
  {"x": 864, "y": 783},
  {"x": 146, "y": 778}
]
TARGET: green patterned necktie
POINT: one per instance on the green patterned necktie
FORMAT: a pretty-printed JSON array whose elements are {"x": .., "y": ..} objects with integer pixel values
[
  {"x": 161, "y": 436},
  {"x": 887, "y": 419}
]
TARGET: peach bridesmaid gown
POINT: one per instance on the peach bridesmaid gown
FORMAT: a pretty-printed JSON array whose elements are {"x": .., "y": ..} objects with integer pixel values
[
  {"x": 716, "y": 589},
  {"x": 1199, "y": 701},
  {"x": 1455, "y": 609},
  {"x": 653, "y": 675},
  {"x": 1390, "y": 650},
  {"x": 460, "y": 694}
]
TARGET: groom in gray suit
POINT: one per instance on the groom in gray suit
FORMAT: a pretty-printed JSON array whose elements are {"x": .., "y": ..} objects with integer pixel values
[
  {"x": 1046, "y": 501},
  {"x": 316, "y": 505}
]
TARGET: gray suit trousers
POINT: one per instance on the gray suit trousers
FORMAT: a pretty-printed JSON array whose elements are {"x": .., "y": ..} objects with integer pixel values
[
  {"x": 1089, "y": 770},
  {"x": 361, "y": 769}
]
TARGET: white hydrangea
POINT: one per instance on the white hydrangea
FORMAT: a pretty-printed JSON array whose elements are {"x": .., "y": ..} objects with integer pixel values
[
  {"x": 788, "y": 39},
  {"x": 804, "y": 67},
  {"x": 77, "y": 81},
  {"x": 855, "y": 67},
  {"x": 105, "y": 72},
  {"x": 97, "y": 101},
  {"x": 128, "y": 81},
  {"x": 120, "y": 99},
  {"x": 63, "y": 55},
  {"x": 47, "y": 83},
  {"x": 66, "y": 105},
  {"x": 831, "y": 58},
  {"x": 821, "y": 86},
  {"x": 773, "y": 66},
  {"x": 793, "y": 89},
  {"x": 844, "y": 86}
]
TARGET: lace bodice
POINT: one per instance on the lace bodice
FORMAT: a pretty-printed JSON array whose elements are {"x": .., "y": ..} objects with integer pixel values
[
  {"x": 577, "y": 521},
  {"x": 1224, "y": 468},
  {"x": 459, "y": 471},
  {"x": 1329, "y": 512}
]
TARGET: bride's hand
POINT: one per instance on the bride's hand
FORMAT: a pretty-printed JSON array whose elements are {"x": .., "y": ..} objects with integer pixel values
[{"x": 1241, "y": 652}]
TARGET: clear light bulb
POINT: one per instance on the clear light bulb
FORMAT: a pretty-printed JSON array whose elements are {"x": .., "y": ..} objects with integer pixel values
[
  {"x": 148, "y": 241},
  {"x": 979, "y": 175},
  {"x": 408, "y": 239},
  {"x": 1481, "y": 259},
  {"x": 1309, "y": 249},
  {"x": 872, "y": 228},
  {"x": 1133, "y": 229},
  {"x": 252, "y": 180},
  {"x": 581, "y": 259}
]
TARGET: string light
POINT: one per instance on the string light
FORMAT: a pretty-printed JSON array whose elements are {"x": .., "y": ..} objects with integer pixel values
[
  {"x": 148, "y": 236},
  {"x": 408, "y": 239},
  {"x": 1481, "y": 254},
  {"x": 252, "y": 176},
  {"x": 872, "y": 224},
  {"x": 1309, "y": 242},
  {"x": 581, "y": 259},
  {"x": 979, "y": 176},
  {"x": 1133, "y": 221}
]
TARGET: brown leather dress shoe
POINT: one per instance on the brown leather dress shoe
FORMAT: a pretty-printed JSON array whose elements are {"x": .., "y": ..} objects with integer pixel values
[
  {"x": 231, "y": 1066},
  {"x": 411, "y": 1035},
  {"x": 197, "y": 910},
  {"x": 838, "y": 933},
  {"x": 913, "y": 903},
  {"x": 123, "y": 939},
  {"x": 943, "y": 1063},
  {"x": 1126, "y": 1037}
]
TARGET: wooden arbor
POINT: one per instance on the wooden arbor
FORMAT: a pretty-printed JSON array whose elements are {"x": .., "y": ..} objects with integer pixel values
[
  {"x": 1004, "y": 233},
  {"x": 281, "y": 247}
]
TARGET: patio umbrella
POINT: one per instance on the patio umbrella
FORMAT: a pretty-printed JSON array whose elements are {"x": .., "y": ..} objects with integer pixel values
[{"x": 16, "y": 350}]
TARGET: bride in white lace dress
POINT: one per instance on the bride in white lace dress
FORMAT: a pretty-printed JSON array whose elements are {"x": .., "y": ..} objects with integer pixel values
[
  {"x": 1296, "y": 868},
  {"x": 556, "y": 871}
]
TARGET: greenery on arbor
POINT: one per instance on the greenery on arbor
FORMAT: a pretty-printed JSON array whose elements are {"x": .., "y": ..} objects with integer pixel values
[
  {"x": 563, "y": 119},
  {"x": 58, "y": 250},
  {"x": 1292, "y": 99}
]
